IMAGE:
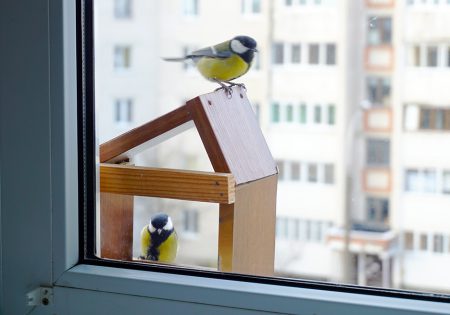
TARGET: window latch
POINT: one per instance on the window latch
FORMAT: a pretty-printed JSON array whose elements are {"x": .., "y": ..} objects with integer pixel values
[{"x": 40, "y": 296}]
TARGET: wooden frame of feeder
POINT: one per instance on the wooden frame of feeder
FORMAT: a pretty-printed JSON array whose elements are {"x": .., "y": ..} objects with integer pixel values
[{"x": 244, "y": 183}]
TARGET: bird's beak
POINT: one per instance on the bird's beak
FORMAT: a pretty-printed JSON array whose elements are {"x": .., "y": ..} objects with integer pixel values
[
  {"x": 159, "y": 231},
  {"x": 255, "y": 49}
]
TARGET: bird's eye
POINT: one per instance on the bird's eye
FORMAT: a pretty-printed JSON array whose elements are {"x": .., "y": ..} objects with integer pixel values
[
  {"x": 151, "y": 228},
  {"x": 169, "y": 225}
]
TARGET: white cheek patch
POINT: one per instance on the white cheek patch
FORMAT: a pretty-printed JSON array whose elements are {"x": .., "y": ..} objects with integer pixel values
[
  {"x": 169, "y": 225},
  {"x": 151, "y": 228},
  {"x": 237, "y": 47}
]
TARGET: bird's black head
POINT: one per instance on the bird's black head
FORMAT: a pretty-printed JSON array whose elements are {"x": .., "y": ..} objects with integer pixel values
[
  {"x": 160, "y": 223},
  {"x": 244, "y": 46}
]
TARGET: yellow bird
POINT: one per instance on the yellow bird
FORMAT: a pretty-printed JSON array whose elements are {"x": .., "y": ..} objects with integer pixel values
[
  {"x": 159, "y": 240},
  {"x": 224, "y": 62}
]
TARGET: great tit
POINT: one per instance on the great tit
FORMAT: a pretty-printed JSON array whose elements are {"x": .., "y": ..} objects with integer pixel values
[
  {"x": 159, "y": 241},
  {"x": 224, "y": 62}
]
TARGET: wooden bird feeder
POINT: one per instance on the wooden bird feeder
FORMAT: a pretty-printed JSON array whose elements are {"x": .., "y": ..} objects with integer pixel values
[{"x": 244, "y": 183}]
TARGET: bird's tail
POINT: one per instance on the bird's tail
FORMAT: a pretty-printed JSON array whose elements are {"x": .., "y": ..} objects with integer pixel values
[{"x": 175, "y": 59}]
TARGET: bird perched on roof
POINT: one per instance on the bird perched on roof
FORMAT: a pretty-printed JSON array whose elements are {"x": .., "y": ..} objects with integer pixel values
[
  {"x": 159, "y": 241},
  {"x": 224, "y": 62}
]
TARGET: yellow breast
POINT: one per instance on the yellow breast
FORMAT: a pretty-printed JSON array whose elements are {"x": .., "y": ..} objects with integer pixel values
[
  {"x": 167, "y": 250},
  {"x": 222, "y": 69}
]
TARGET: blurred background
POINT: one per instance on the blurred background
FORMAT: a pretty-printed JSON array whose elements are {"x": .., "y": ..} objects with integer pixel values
[{"x": 353, "y": 98}]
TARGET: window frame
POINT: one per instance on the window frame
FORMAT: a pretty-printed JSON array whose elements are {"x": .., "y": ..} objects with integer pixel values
[{"x": 144, "y": 281}]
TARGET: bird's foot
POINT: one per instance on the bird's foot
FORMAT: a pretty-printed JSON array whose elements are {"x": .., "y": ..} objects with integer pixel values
[
  {"x": 228, "y": 89},
  {"x": 241, "y": 85}
]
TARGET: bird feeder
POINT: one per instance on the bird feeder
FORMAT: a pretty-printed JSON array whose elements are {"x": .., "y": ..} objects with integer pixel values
[{"x": 244, "y": 181}]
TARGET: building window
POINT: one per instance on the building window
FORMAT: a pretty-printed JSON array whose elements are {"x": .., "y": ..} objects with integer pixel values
[
  {"x": 425, "y": 118},
  {"x": 122, "y": 57},
  {"x": 257, "y": 110},
  {"x": 313, "y": 54},
  {"x": 123, "y": 110},
  {"x": 289, "y": 113},
  {"x": 122, "y": 9},
  {"x": 448, "y": 56},
  {"x": 278, "y": 53},
  {"x": 429, "y": 181},
  {"x": 303, "y": 113},
  {"x": 446, "y": 182},
  {"x": 432, "y": 56},
  {"x": 295, "y": 171},
  {"x": 282, "y": 228},
  {"x": 377, "y": 210},
  {"x": 317, "y": 114},
  {"x": 288, "y": 2},
  {"x": 380, "y": 30},
  {"x": 296, "y": 53},
  {"x": 416, "y": 56},
  {"x": 256, "y": 64},
  {"x": 430, "y": 118},
  {"x": 421, "y": 180},
  {"x": 438, "y": 243},
  {"x": 423, "y": 241},
  {"x": 275, "y": 112},
  {"x": 251, "y": 6},
  {"x": 331, "y": 114},
  {"x": 408, "y": 238},
  {"x": 312, "y": 173},
  {"x": 412, "y": 180},
  {"x": 378, "y": 152},
  {"x": 281, "y": 171},
  {"x": 186, "y": 51},
  {"x": 329, "y": 173},
  {"x": 190, "y": 221},
  {"x": 330, "y": 54},
  {"x": 378, "y": 90},
  {"x": 190, "y": 7}
]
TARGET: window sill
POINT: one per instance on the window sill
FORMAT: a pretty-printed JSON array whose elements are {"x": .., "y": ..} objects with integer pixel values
[{"x": 245, "y": 295}]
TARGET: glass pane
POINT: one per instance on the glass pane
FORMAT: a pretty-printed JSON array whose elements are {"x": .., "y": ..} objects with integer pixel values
[
  {"x": 313, "y": 54},
  {"x": 295, "y": 171},
  {"x": 378, "y": 152},
  {"x": 312, "y": 173},
  {"x": 303, "y": 113},
  {"x": 330, "y": 54},
  {"x": 278, "y": 53},
  {"x": 361, "y": 147},
  {"x": 295, "y": 54},
  {"x": 409, "y": 240},
  {"x": 289, "y": 113},
  {"x": 317, "y": 114},
  {"x": 331, "y": 114},
  {"x": 432, "y": 56},
  {"x": 275, "y": 112}
]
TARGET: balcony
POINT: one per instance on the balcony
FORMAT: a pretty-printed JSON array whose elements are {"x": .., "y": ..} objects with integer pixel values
[
  {"x": 379, "y": 58},
  {"x": 377, "y": 180},
  {"x": 378, "y": 120},
  {"x": 380, "y": 4}
]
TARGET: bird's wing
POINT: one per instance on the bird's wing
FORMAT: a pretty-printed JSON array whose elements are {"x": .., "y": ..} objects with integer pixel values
[{"x": 220, "y": 51}]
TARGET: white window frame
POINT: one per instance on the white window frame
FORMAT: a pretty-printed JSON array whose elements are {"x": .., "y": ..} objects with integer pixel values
[{"x": 52, "y": 223}]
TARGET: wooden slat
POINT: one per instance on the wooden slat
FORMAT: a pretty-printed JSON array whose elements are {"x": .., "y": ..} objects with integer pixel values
[
  {"x": 232, "y": 136},
  {"x": 137, "y": 137},
  {"x": 167, "y": 183},
  {"x": 116, "y": 226},
  {"x": 247, "y": 229}
]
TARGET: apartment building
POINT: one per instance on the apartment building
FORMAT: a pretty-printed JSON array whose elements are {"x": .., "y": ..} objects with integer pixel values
[
  {"x": 421, "y": 145},
  {"x": 351, "y": 98}
]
